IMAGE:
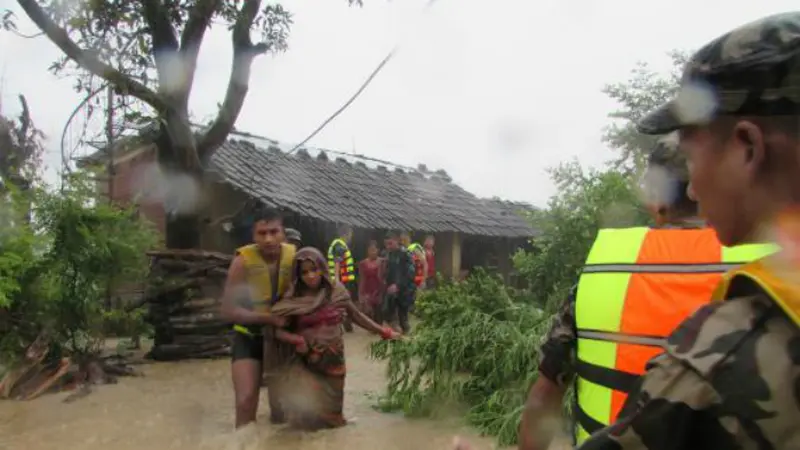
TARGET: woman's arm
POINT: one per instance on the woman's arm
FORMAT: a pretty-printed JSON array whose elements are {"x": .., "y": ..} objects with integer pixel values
[
  {"x": 360, "y": 319},
  {"x": 290, "y": 338}
]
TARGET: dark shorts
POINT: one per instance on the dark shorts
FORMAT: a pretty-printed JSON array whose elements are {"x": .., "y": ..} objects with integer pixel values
[{"x": 247, "y": 347}]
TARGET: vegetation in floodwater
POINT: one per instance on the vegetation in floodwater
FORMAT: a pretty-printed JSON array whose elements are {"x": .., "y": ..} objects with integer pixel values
[{"x": 475, "y": 347}]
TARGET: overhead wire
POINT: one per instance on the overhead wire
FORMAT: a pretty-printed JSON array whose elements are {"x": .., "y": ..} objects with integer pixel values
[{"x": 389, "y": 56}]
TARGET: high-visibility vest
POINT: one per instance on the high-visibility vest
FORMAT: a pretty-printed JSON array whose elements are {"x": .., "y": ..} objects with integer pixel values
[
  {"x": 638, "y": 284},
  {"x": 419, "y": 268},
  {"x": 347, "y": 269},
  {"x": 259, "y": 281},
  {"x": 782, "y": 288}
]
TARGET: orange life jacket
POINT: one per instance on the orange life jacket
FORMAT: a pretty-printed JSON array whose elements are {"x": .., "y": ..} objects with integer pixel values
[
  {"x": 419, "y": 269},
  {"x": 637, "y": 285}
]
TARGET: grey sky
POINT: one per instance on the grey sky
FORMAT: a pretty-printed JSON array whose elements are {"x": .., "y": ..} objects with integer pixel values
[{"x": 467, "y": 71}]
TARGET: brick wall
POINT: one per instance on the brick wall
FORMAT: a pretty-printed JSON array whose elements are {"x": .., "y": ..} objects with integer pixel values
[{"x": 129, "y": 181}]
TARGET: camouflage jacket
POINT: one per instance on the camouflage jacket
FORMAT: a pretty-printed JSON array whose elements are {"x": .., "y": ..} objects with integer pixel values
[
  {"x": 729, "y": 379},
  {"x": 557, "y": 352}
]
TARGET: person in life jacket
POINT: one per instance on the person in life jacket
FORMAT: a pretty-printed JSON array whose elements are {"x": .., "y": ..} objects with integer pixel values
[
  {"x": 342, "y": 266},
  {"x": 729, "y": 376},
  {"x": 637, "y": 286},
  {"x": 258, "y": 276},
  {"x": 420, "y": 261}
]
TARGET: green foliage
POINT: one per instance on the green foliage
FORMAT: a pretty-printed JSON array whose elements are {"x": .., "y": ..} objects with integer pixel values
[
  {"x": 644, "y": 91},
  {"x": 64, "y": 260},
  {"x": 476, "y": 345},
  {"x": 587, "y": 200}
]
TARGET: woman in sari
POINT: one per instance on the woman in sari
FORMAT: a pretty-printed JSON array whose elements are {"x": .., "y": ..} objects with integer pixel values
[
  {"x": 370, "y": 282},
  {"x": 313, "y": 373}
]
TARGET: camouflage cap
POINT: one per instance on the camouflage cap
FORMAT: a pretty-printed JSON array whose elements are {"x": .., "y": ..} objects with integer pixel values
[
  {"x": 667, "y": 155},
  {"x": 293, "y": 235},
  {"x": 752, "y": 70}
]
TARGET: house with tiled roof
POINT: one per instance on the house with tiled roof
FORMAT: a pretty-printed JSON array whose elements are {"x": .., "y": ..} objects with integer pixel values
[{"x": 317, "y": 189}]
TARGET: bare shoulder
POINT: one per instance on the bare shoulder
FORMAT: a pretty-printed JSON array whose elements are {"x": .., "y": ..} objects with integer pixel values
[{"x": 236, "y": 268}]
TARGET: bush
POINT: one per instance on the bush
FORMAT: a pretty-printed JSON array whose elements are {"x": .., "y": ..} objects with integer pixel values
[
  {"x": 65, "y": 259},
  {"x": 475, "y": 347}
]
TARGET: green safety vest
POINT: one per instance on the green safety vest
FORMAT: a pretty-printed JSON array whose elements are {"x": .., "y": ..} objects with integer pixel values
[
  {"x": 637, "y": 285},
  {"x": 347, "y": 270}
]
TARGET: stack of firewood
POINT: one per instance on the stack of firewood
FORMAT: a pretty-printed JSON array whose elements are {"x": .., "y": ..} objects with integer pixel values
[{"x": 183, "y": 300}]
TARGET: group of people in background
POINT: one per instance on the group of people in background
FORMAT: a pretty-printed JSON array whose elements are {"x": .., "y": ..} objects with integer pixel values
[{"x": 385, "y": 283}]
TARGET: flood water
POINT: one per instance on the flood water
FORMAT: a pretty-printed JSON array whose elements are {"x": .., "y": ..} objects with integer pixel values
[{"x": 189, "y": 405}]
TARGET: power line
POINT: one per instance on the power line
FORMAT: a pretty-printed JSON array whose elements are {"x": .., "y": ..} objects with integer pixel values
[{"x": 364, "y": 85}]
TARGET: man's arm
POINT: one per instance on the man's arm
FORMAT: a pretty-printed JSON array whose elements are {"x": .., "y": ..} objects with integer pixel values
[
  {"x": 235, "y": 288},
  {"x": 556, "y": 370}
]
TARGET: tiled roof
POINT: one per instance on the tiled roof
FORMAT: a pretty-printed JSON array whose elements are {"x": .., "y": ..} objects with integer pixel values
[{"x": 346, "y": 190}]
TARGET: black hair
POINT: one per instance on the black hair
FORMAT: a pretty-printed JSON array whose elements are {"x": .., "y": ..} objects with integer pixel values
[
  {"x": 392, "y": 234},
  {"x": 344, "y": 229},
  {"x": 267, "y": 215}
]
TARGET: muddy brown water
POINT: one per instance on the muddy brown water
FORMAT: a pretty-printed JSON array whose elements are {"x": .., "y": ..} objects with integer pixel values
[{"x": 189, "y": 405}]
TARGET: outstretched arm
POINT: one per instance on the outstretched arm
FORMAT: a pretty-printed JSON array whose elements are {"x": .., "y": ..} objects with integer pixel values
[{"x": 361, "y": 319}]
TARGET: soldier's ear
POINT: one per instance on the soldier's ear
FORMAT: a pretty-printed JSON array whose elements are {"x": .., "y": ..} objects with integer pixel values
[{"x": 748, "y": 140}]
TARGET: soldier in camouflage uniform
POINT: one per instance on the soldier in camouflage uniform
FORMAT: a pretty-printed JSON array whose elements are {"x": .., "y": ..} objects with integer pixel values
[
  {"x": 730, "y": 376},
  {"x": 665, "y": 185}
]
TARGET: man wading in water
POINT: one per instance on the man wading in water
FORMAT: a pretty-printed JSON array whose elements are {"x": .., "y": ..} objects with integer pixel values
[{"x": 258, "y": 276}]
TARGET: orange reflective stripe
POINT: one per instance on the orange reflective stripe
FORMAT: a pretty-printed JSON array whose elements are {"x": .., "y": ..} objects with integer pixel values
[
  {"x": 631, "y": 358},
  {"x": 655, "y": 303}
]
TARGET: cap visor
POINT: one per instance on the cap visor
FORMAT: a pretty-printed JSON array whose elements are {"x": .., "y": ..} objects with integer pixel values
[{"x": 661, "y": 120}]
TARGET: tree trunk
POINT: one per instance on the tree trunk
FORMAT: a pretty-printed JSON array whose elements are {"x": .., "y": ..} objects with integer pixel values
[
  {"x": 183, "y": 231},
  {"x": 174, "y": 142}
]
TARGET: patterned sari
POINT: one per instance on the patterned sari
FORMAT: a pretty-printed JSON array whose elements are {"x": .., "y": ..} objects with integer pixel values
[{"x": 311, "y": 385}]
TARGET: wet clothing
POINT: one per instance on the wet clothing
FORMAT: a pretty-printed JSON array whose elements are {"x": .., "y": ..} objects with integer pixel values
[
  {"x": 430, "y": 257},
  {"x": 396, "y": 310},
  {"x": 311, "y": 385},
  {"x": 247, "y": 347},
  {"x": 371, "y": 286},
  {"x": 266, "y": 282},
  {"x": 400, "y": 271}
]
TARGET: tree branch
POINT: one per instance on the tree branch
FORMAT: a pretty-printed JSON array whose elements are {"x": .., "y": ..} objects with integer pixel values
[
  {"x": 192, "y": 37},
  {"x": 25, "y": 120},
  {"x": 88, "y": 61},
  {"x": 160, "y": 27},
  {"x": 239, "y": 83}
]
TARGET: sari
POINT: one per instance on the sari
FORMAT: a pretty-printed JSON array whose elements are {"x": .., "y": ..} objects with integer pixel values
[
  {"x": 311, "y": 385},
  {"x": 371, "y": 287}
]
